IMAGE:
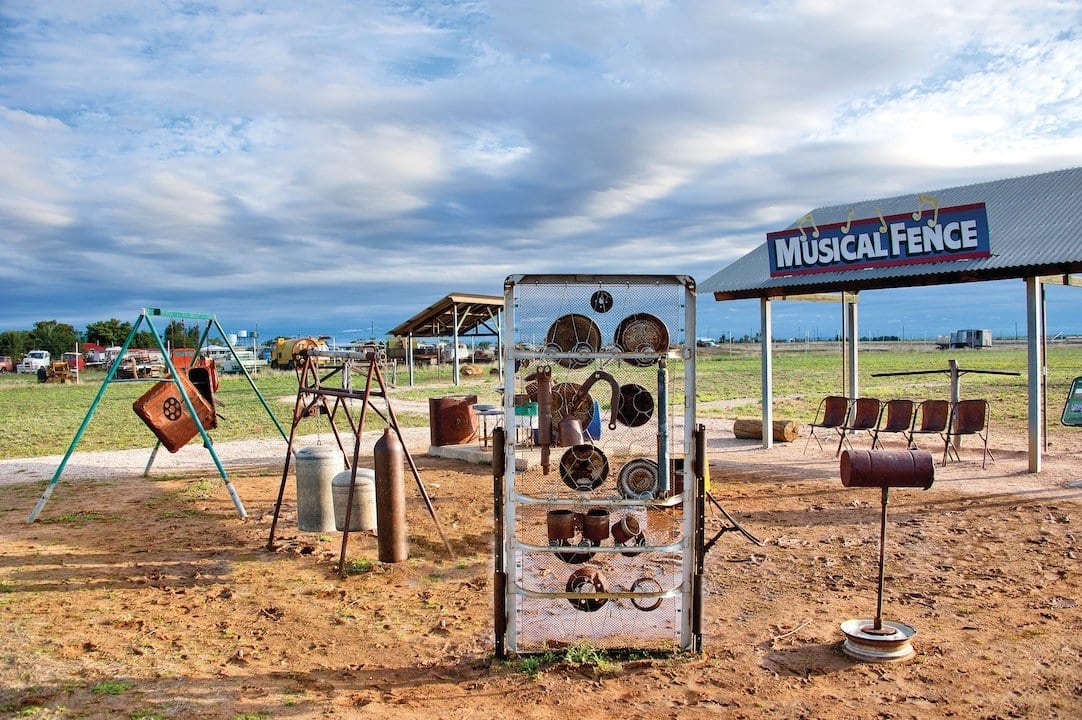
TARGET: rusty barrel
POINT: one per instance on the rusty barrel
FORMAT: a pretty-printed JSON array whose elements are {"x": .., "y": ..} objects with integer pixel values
[
  {"x": 887, "y": 468},
  {"x": 391, "y": 527},
  {"x": 451, "y": 420}
]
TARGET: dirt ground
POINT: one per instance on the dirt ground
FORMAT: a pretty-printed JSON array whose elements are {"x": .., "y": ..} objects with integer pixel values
[{"x": 149, "y": 598}]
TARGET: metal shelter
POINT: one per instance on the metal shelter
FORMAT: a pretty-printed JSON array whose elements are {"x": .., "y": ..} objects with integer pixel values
[
  {"x": 1027, "y": 228},
  {"x": 457, "y": 315},
  {"x": 146, "y": 316}
]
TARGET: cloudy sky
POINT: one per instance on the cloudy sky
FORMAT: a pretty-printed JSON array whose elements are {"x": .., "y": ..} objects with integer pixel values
[{"x": 334, "y": 167}]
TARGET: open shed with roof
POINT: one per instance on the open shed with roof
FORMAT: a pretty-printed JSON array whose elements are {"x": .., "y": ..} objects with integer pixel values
[
  {"x": 458, "y": 316},
  {"x": 1026, "y": 228}
]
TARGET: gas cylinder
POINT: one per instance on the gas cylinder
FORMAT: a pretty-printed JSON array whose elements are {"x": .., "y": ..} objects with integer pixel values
[{"x": 391, "y": 526}]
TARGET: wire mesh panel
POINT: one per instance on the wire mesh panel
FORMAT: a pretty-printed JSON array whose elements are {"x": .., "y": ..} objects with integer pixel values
[{"x": 598, "y": 529}]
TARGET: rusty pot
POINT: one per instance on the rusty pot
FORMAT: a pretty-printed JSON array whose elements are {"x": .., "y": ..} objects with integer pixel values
[
  {"x": 560, "y": 524},
  {"x": 596, "y": 525}
]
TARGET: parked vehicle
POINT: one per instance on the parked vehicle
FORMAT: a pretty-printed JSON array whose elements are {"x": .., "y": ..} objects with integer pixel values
[
  {"x": 282, "y": 354},
  {"x": 75, "y": 361},
  {"x": 965, "y": 339},
  {"x": 6, "y": 364},
  {"x": 33, "y": 360}
]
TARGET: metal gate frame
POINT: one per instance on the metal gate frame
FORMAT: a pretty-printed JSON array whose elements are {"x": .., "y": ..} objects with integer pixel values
[{"x": 509, "y": 497}]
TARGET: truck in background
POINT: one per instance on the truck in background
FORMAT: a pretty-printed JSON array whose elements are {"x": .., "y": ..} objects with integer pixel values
[
  {"x": 964, "y": 339},
  {"x": 34, "y": 360}
]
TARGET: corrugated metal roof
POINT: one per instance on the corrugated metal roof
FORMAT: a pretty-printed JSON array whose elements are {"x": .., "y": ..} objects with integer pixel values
[
  {"x": 1035, "y": 228},
  {"x": 476, "y": 315}
]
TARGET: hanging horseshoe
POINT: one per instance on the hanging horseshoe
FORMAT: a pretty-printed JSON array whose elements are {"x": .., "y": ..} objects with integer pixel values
[{"x": 583, "y": 395}]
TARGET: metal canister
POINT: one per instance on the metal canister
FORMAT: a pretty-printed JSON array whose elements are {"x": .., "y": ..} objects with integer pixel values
[
  {"x": 596, "y": 525},
  {"x": 887, "y": 468},
  {"x": 560, "y": 524},
  {"x": 391, "y": 499}
]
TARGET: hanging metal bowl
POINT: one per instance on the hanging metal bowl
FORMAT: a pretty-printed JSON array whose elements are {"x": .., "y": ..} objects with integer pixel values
[
  {"x": 638, "y": 479},
  {"x": 635, "y": 406},
  {"x": 574, "y": 333},
  {"x": 567, "y": 402},
  {"x": 583, "y": 467},
  {"x": 586, "y": 581},
  {"x": 642, "y": 333}
]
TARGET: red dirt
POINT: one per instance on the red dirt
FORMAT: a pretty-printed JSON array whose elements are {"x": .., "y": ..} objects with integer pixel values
[{"x": 157, "y": 589}]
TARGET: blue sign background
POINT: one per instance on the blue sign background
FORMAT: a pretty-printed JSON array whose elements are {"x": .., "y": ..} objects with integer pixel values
[{"x": 938, "y": 235}]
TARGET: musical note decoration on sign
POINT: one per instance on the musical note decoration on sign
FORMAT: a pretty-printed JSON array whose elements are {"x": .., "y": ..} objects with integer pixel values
[
  {"x": 848, "y": 222},
  {"x": 932, "y": 204},
  {"x": 807, "y": 220},
  {"x": 882, "y": 220}
]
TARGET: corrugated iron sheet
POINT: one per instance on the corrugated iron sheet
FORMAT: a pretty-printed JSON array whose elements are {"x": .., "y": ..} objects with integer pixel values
[{"x": 1035, "y": 227}]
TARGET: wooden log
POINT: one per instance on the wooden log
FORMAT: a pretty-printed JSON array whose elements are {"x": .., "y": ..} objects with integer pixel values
[{"x": 783, "y": 430}]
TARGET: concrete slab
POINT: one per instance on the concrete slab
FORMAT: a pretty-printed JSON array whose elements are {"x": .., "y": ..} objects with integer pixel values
[{"x": 474, "y": 453}]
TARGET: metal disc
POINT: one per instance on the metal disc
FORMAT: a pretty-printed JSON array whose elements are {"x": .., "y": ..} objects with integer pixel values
[
  {"x": 586, "y": 580},
  {"x": 583, "y": 467},
  {"x": 573, "y": 333},
  {"x": 636, "y": 405},
  {"x": 638, "y": 479},
  {"x": 642, "y": 332}
]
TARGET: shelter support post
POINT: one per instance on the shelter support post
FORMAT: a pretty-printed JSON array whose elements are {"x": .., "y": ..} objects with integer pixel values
[
  {"x": 767, "y": 372},
  {"x": 454, "y": 346},
  {"x": 851, "y": 313},
  {"x": 1035, "y": 368}
]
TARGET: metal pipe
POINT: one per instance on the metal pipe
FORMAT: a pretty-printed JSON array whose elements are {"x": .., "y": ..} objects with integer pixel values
[
  {"x": 662, "y": 430},
  {"x": 882, "y": 560},
  {"x": 499, "y": 577},
  {"x": 543, "y": 376}
]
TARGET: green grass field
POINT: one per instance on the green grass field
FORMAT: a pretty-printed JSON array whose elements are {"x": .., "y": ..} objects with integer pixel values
[{"x": 41, "y": 419}]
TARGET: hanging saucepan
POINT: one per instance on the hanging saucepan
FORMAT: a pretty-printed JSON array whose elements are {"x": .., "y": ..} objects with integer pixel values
[
  {"x": 567, "y": 402},
  {"x": 562, "y": 526},
  {"x": 642, "y": 333},
  {"x": 583, "y": 467},
  {"x": 638, "y": 479},
  {"x": 635, "y": 406},
  {"x": 574, "y": 333},
  {"x": 586, "y": 581},
  {"x": 628, "y": 533}
]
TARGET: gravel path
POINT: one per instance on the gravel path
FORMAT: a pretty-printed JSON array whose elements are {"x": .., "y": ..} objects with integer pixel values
[{"x": 115, "y": 464}]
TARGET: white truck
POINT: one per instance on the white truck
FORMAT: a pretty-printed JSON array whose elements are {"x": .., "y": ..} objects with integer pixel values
[{"x": 34, "y": 360}]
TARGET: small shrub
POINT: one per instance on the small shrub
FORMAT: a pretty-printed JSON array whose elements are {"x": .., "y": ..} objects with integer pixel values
[{"x": 111, "y": 687}]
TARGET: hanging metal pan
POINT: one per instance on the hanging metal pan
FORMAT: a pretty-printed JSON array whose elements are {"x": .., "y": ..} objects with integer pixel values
[
  {"x": 574, "y": 333},
  {"x": 583, "y": 467},
  {"x": 569, "y": 401},
  {"x": 635, "y": 405},
  {"x": 638, "y": 479},
  {"x": 642, "y": 332}
]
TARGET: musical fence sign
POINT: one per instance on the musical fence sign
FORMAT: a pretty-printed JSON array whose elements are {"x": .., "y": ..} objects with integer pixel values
[{"x": 928, "y": 235}]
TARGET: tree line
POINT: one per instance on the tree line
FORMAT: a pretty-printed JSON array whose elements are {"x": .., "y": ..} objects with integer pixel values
[{"x": 59, "y": 338}]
